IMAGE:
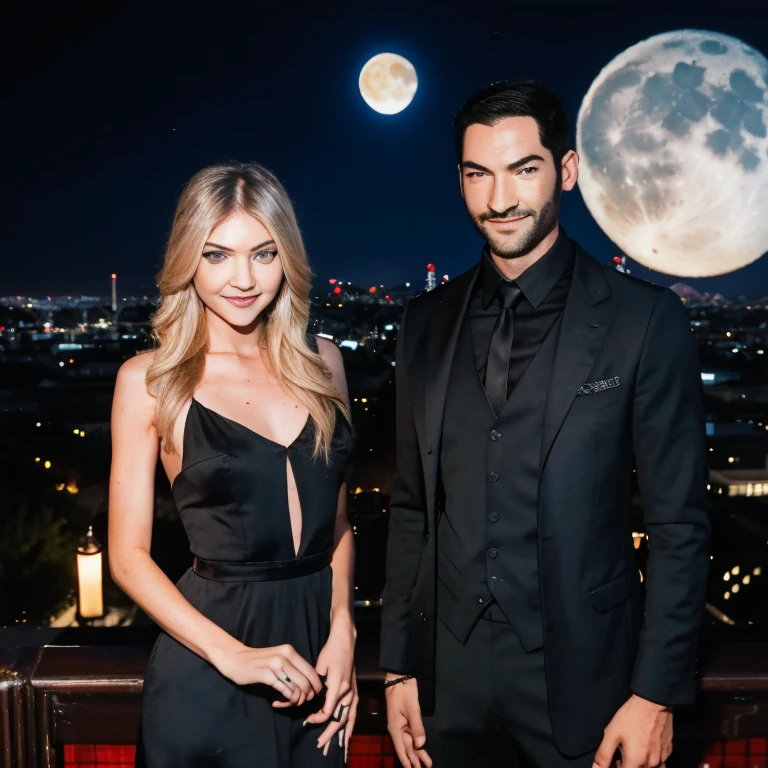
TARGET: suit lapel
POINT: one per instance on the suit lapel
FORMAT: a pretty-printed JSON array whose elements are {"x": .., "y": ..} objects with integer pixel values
[
  {"x": 444, "y": 326},
  {"x": 587, "y": 317}
]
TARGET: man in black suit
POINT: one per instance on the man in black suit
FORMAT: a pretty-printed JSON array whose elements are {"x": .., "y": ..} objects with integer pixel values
[{"x": 529, "y": 390}]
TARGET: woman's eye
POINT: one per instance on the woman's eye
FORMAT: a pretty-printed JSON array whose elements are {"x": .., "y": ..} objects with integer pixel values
[
  {"x": 214, "y": 257},
  {"x": 265, "y": 257}
]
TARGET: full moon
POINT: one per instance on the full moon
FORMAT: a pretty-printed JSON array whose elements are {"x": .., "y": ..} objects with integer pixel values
[
  {"x": 674, "y": 153},
  {"x": 388, "y": 83}
]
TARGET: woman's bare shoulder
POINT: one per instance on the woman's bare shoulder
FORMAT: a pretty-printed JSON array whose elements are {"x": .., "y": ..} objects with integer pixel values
[
  {"x": 132, "y": 376},
  {"x": 330, "y": 353}
]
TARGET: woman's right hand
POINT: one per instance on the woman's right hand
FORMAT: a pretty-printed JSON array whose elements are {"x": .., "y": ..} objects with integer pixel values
[{"x": 279, "y": 667}]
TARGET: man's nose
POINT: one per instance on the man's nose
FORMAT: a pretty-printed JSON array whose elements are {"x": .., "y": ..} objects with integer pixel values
[{"x": 503, "y": 195}]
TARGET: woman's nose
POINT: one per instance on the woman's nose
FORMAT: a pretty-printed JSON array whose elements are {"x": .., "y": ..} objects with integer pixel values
[{"x": 243, "y": 278}]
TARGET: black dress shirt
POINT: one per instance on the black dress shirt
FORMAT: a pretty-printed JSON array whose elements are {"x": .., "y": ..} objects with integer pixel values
[{"x": 545, "y": 286}]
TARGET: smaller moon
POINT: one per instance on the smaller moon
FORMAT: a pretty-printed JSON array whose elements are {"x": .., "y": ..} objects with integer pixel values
[{"x": 388, "y": 83}]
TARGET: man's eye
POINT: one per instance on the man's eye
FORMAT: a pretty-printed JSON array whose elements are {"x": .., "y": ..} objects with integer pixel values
[
  {"x": 475, "y": 174},
  {"x": 529, "y": 170}
]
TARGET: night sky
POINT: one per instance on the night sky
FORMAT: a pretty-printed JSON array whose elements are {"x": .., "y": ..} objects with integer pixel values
[{"x": 107, "y": 115}]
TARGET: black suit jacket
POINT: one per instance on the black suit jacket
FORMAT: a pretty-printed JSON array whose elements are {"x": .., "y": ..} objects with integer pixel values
[{"x": 599, "y": 643}]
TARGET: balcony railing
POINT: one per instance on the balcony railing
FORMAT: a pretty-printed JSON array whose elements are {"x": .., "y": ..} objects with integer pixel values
[{"x": 58, "y": 702}]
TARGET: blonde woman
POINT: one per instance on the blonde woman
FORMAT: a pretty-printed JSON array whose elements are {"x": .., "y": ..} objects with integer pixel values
[{"x": 250, "y": 419}]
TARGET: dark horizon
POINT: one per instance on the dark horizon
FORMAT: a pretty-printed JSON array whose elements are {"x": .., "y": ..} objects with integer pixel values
[{"x": 112, "y": 111}]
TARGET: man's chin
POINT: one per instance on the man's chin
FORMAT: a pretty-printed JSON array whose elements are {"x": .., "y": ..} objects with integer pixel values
[{"x": 506, "y": 249}]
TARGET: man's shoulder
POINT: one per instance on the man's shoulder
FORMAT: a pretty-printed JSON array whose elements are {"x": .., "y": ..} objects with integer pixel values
[
  {"x": 422, "y": 305},
  {"x": 649, "y": 299},
  {"x": 629, "y": 288}
]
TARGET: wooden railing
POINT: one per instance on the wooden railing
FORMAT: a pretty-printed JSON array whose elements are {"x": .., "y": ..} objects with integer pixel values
[{"x": 52, "y": 696}]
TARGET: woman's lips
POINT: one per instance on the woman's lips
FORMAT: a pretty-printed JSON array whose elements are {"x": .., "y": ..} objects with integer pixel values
[{"x": 241, "y": 301}]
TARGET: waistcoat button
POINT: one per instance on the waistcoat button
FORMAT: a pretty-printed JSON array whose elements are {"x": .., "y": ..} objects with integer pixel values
[{"x": 493, "y": 477}]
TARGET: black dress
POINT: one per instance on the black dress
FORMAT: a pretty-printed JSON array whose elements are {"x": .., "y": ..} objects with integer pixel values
[{"x": 233, "y": 499}]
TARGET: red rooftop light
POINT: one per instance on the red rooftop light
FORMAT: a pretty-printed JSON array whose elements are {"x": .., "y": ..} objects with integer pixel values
[
  {"x": 372, "y": 289},
  {"x": 337, "y": 290},
  {"x": 431, "y": 268},
  {"x": 333, "y": 281}
]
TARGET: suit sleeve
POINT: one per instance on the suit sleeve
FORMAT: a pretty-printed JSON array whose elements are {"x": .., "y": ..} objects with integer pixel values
[
  {"x": 671, "y": 459},
  {"x": 406, "y": 527}
]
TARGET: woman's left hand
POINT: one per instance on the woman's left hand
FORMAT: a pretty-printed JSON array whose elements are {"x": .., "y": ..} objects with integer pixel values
[{"x": 336, "y": 664}]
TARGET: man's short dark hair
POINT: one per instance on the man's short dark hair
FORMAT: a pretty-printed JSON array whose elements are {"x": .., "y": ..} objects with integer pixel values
[{"x": 516, "y": 98}]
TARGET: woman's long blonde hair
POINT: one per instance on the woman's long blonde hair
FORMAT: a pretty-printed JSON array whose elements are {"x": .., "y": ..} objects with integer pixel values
[{"x": 179, "y": 325}]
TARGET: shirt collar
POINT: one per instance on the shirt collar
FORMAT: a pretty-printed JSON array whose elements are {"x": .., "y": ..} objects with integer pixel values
[{"x": 538, "y": 280}]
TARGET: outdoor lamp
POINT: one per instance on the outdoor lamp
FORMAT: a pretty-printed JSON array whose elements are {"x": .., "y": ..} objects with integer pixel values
[{"x": 89, "y": 587}]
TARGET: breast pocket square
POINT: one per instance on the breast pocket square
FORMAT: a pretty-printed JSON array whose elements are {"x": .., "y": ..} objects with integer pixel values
[{"x": 599, "y": 386}]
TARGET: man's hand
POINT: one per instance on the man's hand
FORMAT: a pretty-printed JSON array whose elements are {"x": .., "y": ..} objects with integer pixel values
[
  {"x": 642, "y": 731},
  {"x": 404, "y": 723}
]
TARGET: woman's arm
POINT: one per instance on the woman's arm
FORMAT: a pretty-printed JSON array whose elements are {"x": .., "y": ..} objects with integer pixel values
[
  {"x": 131, "y": 493},
  {"x": 343, "y": 561},
  {"x": 337, "y": 657},
  {"x": 343, "y": 565}
]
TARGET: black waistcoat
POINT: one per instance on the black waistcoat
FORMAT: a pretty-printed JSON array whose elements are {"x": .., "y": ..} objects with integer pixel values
[{"x": 487, "y": 535}]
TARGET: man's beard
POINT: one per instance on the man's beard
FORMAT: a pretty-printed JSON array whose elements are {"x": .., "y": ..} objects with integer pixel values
[{"x": 544, "y": 222}]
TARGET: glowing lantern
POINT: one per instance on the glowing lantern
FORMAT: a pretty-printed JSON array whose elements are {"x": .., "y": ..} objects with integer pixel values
[{"x": 89, "y": 587}]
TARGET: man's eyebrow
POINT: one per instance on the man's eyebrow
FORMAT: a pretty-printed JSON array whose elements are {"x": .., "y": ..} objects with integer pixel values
[
  {"x": 474, "y": 166},
  {"x": 524, "y": 161},
  {"x": 511, "y": 167}
]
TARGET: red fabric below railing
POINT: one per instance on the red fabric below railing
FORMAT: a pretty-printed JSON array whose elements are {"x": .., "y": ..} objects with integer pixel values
[
  {"x": 377, "y": 752},
  {"x": 364, "y": 752},
  {"x": 737, "y": 753}
]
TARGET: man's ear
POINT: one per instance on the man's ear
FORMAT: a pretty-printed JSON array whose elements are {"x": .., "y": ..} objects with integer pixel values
[{"x": 569, "y": 169}]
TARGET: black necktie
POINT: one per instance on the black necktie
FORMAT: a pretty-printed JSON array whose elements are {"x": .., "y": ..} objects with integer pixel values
[{"x": 497, "y": 371}]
